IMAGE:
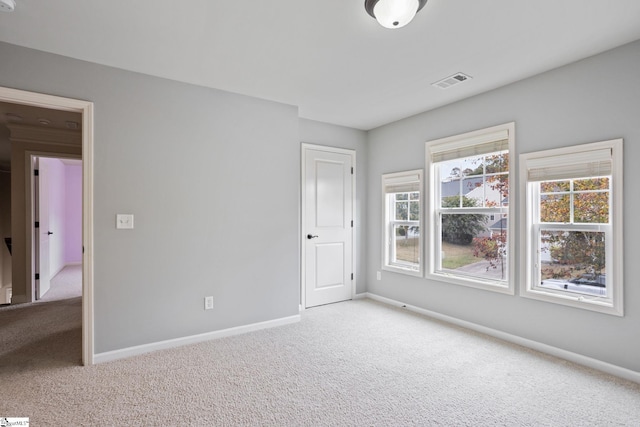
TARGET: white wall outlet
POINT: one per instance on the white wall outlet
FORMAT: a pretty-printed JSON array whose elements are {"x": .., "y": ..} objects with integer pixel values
[
  {"x": 208, "y": 303},
  {"x": 379, "y": 275},
  {"x": 124, "y": 221}
]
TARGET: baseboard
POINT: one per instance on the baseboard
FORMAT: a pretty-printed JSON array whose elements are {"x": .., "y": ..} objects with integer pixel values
[
  {"x": 580, "y": 359},
  {"x": 193, "y": 339},
  {"x": 362, "y": 295},
  {"x": 19, "y": 299},
  {"x": 53, "y": 274}
]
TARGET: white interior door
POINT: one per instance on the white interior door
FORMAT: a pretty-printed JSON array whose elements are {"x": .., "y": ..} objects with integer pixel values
[
  {"x": 42, "y": 216},
  {"x": 327, "y": 226}
]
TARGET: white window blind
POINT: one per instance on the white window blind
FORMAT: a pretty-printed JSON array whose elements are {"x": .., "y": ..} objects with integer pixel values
[
  {"x": 572, "y": 165},
  {"x": 468, "y": 147},
  {"x": 401, "y": 183}
]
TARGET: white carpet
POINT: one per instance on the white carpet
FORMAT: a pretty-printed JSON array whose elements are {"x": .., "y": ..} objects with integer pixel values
[
  {"x": 354, "y": 363},
  {"x": 66, "y": 284}
]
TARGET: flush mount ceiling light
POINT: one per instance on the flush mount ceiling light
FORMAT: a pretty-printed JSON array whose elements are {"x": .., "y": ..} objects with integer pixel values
[
  {"x": 7, "y": 5},
  {"x": 393, "y": 13}
]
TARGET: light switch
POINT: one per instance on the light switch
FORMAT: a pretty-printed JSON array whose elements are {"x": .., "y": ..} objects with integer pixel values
[{"x": 124, "y": 221}]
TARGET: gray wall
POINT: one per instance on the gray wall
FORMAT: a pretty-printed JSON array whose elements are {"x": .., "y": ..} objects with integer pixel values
[
  {"x": 214, "y": 218},
  {"x": 592, "y": 100},
  {"x": 329, "y": 135},
  {"x": 213, "y": 181}
]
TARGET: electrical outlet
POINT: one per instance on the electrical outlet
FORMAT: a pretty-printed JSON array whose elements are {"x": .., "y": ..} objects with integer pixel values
[
  {"x": 208, "y": 303},
  {"x": 379, "y": 275}
]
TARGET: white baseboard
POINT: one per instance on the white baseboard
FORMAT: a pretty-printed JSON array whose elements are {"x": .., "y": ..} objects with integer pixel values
[
  {"x": 362, "y": 295},
  {"x": 580, "y": 359},
  {"x": 193, "y": 339}
]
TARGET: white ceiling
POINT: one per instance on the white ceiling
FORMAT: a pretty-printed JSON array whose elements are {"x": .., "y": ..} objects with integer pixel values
[{"x": 328, "y": 57}]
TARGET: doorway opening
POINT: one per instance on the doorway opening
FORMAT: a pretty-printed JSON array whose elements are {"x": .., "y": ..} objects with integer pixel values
[
  {"x": 57, "y": 232},
  {"x": 22, "y": 203}
]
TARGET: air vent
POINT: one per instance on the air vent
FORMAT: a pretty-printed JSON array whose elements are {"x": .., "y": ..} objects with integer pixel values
[{"x": 447, "y": 82}]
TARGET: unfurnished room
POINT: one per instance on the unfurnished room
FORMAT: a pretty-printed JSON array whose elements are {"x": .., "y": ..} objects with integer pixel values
[{"x": 295, "y": 213}]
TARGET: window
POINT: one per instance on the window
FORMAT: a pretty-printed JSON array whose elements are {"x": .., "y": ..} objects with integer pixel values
[
  {"x": 402, "y": 202},
  {"x": 574, "y": 226},
  {"x": 469, "y": 209}
]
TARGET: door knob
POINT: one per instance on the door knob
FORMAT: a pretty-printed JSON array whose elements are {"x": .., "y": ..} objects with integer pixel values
[
  {"x": 310, "y": 236},
  {"x": 49, "y": 232}
]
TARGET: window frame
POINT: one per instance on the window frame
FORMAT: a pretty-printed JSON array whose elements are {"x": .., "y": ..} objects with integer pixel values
[
  {"x": 531, "y": 226},
  {"x": 465, "y": 143},
  {"x": 401, "y": 178}
]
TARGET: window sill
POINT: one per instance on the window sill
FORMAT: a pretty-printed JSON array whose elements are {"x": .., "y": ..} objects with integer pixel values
[
  {"x": 584, "y": 302},
  {"x": 487, "y": 285},
  {"x": 402, "y": 270}
]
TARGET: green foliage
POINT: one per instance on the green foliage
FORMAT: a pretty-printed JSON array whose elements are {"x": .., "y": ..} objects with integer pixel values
[
  {"x": 461, "y": 228},
  {"x": 580, "y": 249}
]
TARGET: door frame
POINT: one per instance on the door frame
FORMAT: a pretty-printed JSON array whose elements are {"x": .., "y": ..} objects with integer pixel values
[
  {"x": 303, "y": 221},
  {"x": 85, "y": 108}
]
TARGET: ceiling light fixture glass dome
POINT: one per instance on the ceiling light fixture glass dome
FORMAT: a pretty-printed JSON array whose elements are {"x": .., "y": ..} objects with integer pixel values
[{"x": 393, "y": 13}]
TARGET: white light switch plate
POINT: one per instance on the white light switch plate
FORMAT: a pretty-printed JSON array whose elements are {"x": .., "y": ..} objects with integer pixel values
[{"x": 124, "y": 221}]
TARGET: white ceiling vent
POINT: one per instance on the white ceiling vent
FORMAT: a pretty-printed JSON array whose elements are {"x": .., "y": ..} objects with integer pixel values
[{"x": 447, "y": 82}]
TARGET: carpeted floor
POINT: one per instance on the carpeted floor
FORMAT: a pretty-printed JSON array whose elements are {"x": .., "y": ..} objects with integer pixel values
[
  {"x": 66, "y": 284},
  {"x": 349, "y": 364}
]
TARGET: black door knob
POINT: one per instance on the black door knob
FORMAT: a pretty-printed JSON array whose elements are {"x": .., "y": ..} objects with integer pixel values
[
  {"x": 49, "y": 232},
  {"x": 310, "y": 236}
]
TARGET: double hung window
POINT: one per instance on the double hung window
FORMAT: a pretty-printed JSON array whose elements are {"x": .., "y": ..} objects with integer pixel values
[
  {"x": 573, "y": 227},
  {"x": 469, "y": 209},
  {"x": 402, "y": 200}
]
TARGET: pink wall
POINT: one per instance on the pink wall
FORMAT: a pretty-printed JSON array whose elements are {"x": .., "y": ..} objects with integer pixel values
[{"x": 73, "y": 208}]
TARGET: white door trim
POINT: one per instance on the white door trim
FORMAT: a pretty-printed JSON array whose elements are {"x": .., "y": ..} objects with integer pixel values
[
  {"x": 303, "y": 226},
  {"x": 86, "y": 109}
]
